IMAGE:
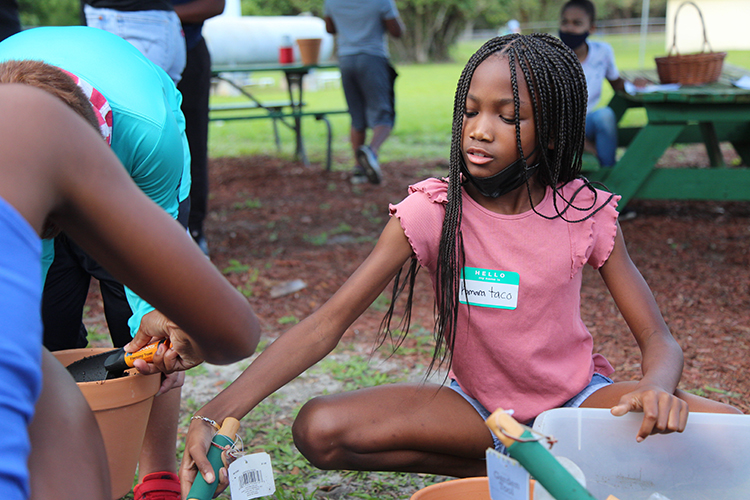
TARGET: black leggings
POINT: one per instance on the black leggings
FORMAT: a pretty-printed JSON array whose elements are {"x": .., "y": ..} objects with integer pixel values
[{"x": 64, "y": 296}]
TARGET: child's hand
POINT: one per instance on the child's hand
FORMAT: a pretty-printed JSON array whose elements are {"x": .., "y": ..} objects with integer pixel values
[
  {"x": 662, "y": 412},
  {"x": 195, "y": 459},
  {"x": 181, "y": 354},
  {"x": 642, "y": 82}
]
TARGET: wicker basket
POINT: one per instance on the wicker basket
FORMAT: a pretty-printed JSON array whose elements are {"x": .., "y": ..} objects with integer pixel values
[{"x": 690, "y": 69}]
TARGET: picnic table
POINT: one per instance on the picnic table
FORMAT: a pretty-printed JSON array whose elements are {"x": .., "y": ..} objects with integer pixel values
[
  {"x": 287, "y": 112},
  {"x": 709, "y": 114}
]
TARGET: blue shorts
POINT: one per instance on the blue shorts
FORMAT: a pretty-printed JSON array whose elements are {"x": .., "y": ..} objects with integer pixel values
[
  {"x": 157, "y": 34},
  {"x": 597, "y": 382},
  {"x": 368, "y": 87}
]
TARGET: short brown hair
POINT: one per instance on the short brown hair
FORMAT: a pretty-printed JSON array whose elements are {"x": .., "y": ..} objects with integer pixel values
[{"x": 50, "y": 79}]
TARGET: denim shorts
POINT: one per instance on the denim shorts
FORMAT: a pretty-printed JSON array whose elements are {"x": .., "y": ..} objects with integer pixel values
[
  {"x": 157, "y": 34},
  {"x": 368, "y": 87},
  {"x": 597, "y": 382}
]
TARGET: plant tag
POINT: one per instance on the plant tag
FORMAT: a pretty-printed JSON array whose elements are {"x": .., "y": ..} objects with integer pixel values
[
  {"x": 508, "y": 479},
  {"x": 489, "y": 288},
  {"x": 251, "y": 476}
]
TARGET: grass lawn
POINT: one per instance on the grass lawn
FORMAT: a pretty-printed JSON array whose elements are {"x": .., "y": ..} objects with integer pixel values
[{"x": 424, "y": 106}]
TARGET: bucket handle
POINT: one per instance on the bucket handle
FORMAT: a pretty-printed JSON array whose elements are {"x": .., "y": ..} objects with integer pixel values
[{"x": 703, "y": 24}]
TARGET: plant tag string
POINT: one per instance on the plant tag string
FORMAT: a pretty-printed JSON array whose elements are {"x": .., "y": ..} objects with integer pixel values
[{"x": 250, "y": 476}]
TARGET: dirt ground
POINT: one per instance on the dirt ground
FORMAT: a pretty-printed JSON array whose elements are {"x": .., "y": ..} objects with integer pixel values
[{"x": 273, "y": 221}]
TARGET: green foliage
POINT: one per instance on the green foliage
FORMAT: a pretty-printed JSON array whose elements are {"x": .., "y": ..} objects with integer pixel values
[
  {"x": 433, "y": 26},
  {"x": 49, "y": 12},
  {"x": 281, "y": 7},
  {"x": 248, "y": 204},
  {"x": 288, "y": 320},
  {"x": 235, "y": 267},
  {"x": 355, "y": 373}
]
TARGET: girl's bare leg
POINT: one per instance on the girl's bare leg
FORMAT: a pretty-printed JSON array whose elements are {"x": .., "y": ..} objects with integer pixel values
[
  {"x": 402, "y": 428},
  {"x": 609, "y": 396},
  {"x": 160, "y": 442}
]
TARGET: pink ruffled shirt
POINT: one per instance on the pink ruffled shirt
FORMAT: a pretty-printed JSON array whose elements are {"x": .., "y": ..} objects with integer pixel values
[{"x": 522, "y": 344}]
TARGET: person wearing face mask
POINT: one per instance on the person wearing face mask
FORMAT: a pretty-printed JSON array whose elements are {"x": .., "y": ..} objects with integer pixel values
[{"x": 597, "y": 58}]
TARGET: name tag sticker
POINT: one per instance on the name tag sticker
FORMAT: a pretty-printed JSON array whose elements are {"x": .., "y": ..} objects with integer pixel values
[
  {"x": 251, "y": 476},
  {"x": 489, "y": 288}
]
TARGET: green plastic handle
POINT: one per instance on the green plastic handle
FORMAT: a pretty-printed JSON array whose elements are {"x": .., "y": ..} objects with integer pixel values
[
  {"x": 201, "y": 490},
  {"x": 545, "y": 468}
]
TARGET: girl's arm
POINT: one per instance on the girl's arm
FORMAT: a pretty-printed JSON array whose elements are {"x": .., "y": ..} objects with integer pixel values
[
  {"x": 299, "y": 348},
  {"x": 662, "y": 358},
  {"x": 72, "y": 178}
]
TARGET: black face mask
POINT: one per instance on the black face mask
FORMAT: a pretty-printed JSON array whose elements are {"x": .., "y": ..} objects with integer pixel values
[
  {"x": 505, "y": 181},
  {"x": 573, "y": 40}
]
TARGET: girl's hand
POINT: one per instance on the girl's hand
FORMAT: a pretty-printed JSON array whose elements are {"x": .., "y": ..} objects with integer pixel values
[
  {"x": 195, "y": 459},
  {"x": 662, "y": 412},
  {"x": 180, "y": 356}
]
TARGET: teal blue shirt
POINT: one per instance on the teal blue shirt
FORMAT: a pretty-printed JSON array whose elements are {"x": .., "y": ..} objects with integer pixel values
[{"x": 148, "y": 127}]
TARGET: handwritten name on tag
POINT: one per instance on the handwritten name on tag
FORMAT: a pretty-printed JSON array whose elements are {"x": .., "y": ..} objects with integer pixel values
[{"x": 489, "y": 288}]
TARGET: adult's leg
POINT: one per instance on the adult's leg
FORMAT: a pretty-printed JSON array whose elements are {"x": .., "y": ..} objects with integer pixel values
[
  {"x": 195, "y": 87},
  {"x": 601, "y": 129},
  {"x": 379, "y": 134},
  {"x": 65, "y": 291},
  {"x": 355, "y": 101},
  {"x": 609, "y": 396},
  {"x": 403, "y": 428},
  {"x": 376, "y": 81},
  {"x": 67, "y": 449},
  {"x": 357, "y": 138}
]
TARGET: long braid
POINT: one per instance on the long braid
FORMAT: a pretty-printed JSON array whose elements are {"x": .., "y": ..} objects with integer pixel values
[{"x": 557, "y": 86}]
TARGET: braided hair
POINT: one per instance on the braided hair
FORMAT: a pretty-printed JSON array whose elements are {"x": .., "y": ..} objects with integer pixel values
[{"x": 557, "y": 86}]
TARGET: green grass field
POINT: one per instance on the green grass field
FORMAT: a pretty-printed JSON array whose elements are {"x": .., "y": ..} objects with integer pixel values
[{"x": 424, "y": 106}]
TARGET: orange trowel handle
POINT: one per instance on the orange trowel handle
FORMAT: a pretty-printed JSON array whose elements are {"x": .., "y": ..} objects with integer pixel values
[{"x": 145, "y": 353}]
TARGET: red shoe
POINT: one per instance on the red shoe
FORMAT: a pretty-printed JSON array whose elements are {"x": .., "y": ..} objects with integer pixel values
[{"x": 158, "y": 486}]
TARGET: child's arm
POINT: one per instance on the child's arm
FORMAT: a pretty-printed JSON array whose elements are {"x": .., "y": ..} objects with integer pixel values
[
  {"x": 619, "y": 83},
  {"x": 662, "y": 359},
  {"x": 299, "y": 348},
  {"x": 71, "y": 177}
]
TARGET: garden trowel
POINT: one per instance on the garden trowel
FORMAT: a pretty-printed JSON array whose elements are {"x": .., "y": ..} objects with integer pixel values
[{"x": 110, "y": 364}]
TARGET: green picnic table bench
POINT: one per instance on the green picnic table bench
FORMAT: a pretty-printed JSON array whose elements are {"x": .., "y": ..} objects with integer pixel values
[
  {"x": 709, "y": 114},
  {"x": 287, "y": 112}
]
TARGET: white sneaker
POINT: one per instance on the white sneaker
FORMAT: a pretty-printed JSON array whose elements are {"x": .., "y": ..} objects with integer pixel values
[{"x": 369, "y": 162}]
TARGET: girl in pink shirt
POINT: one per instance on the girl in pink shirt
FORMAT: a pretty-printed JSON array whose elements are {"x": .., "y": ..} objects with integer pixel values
[{"x": 504, "y": 239}]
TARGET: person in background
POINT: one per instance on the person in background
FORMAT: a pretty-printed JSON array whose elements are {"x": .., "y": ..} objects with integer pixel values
[
  {"x": 195, "y": 86},
  {"x": 10, "y": 23},
  {"x": 152, "y": 26},
  {"x": 136, "y": 107},
  {"x": 56, "y": 173},
  {"x": 361, "y": 30},
  {"x": 577, "y": 22}
]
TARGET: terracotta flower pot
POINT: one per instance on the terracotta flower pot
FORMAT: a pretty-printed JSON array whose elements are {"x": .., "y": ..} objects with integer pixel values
[
  {"x": 309, "y": 50},
  {"x": 121, "y": 407},
  {"x": 470, "y": 488}
]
